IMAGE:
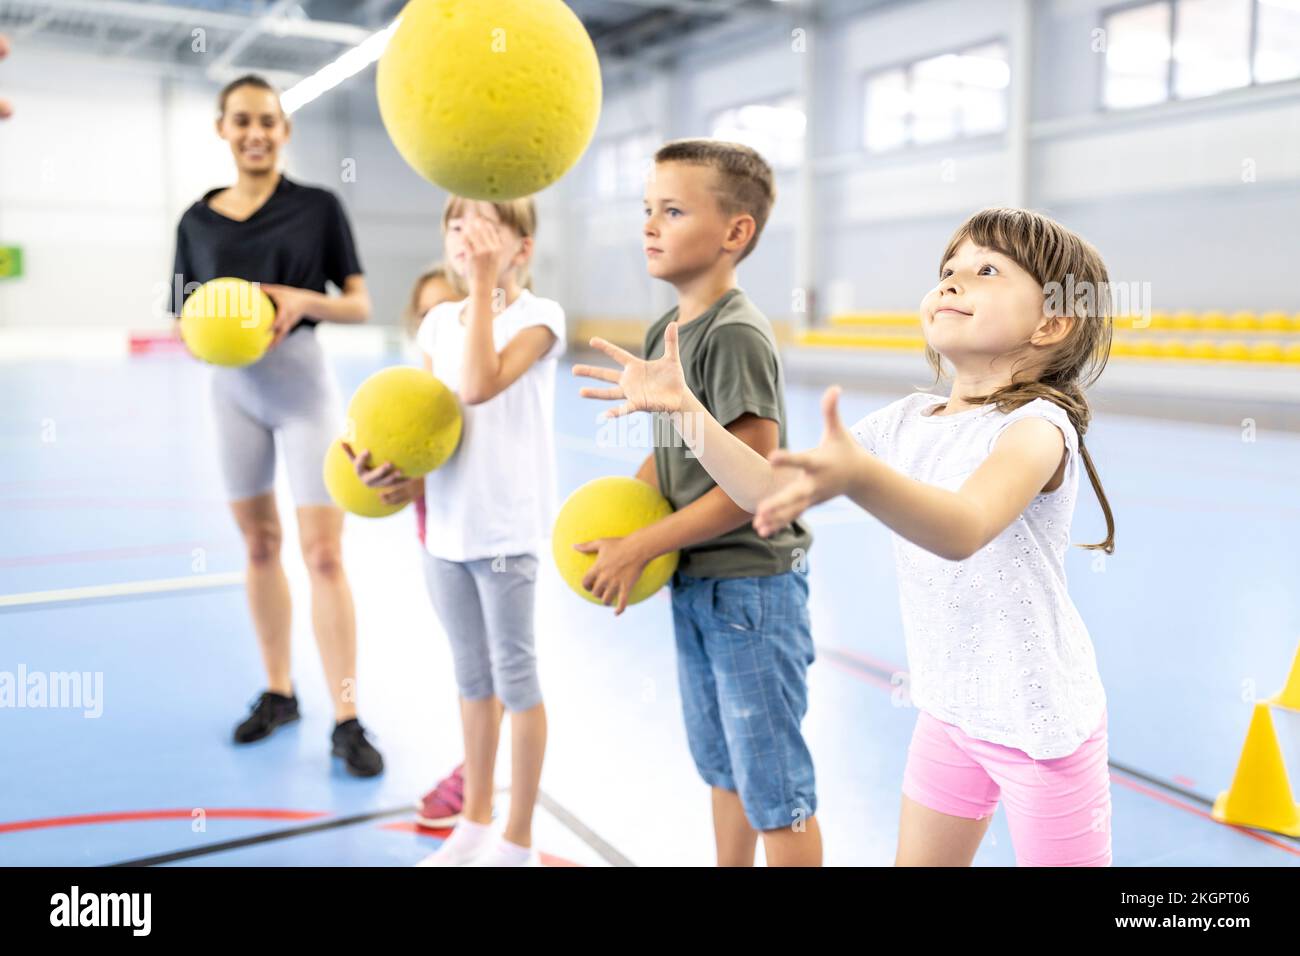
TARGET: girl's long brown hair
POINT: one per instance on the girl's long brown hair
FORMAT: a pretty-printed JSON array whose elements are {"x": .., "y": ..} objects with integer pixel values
[{"x": 1073, "y": 271}]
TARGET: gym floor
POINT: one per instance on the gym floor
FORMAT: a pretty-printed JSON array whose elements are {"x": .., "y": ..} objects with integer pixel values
[{"x": 108, "y": 478}]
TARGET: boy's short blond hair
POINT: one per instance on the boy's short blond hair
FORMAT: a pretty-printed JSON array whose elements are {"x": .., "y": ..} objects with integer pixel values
[{"x": 745, "y": 180}]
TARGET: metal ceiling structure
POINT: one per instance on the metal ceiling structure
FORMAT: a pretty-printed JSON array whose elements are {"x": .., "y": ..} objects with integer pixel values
[{"x": 289, "y": 39}]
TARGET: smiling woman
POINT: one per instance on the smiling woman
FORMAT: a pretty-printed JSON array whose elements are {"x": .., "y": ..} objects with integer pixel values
[{"x": 293, "y": 240}]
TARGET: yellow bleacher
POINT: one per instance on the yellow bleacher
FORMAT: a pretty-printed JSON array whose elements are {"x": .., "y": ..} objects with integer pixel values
[{"x": 1215, "y": 336}]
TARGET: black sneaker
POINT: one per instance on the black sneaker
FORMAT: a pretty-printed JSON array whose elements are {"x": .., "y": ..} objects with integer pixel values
[
  {"x": 350, "y": 743},
  {"x": 272, "y": 710}
]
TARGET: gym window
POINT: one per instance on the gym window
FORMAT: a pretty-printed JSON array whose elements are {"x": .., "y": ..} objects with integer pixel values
[
  {"x": 1184, "y": 49},
  {"x": 775, "y": 128},
  {"x": 951, "y": 96},
  {"x": 622, "y": 164}
]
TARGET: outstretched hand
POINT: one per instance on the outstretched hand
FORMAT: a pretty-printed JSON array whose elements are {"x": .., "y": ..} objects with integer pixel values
[
  {"x": 823, "y": 472},
  {"x": 645, "y": 386}
]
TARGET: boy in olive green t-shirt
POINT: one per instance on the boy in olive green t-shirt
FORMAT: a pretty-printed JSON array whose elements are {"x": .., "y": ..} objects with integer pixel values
[{"x": 740, "y": 601}]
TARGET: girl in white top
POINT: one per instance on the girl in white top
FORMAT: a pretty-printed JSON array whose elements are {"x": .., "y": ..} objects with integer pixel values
[
  {"x": 979, "y": 488},
  {"x": 489, "y": 509}
]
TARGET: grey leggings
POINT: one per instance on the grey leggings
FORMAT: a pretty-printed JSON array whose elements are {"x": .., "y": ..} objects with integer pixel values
[
  {"x": 289, "y": 393},
  {"x": 486, "y": 608}
]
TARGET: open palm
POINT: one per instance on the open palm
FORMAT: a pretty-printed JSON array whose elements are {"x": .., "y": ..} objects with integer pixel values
[
  {"x": 654, "y": 386},
  {"x": 819, "y": 474}
]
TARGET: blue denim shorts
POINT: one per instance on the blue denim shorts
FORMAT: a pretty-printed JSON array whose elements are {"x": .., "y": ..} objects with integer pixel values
[{"x": 743, "y": 650}]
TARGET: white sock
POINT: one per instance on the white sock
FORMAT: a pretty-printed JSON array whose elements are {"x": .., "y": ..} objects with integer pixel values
[
  {"x": 464, "y": 843},
  {"x": 505, "y": 853}
]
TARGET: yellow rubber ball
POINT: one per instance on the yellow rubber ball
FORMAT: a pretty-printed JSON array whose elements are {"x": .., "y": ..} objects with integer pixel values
[
  {"x": 227, "y": 322},
  {"x": 348, "y": 491},
  {"x": 490, "y": 99},
  {"x": 406, "y": 416},
  {"x": 610, "y": 508}
]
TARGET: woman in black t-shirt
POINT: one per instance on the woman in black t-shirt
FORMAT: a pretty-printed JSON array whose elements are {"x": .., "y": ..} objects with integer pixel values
[{"x": 292, "y": 239}]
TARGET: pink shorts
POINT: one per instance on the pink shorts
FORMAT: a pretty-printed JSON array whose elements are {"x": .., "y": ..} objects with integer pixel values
[{"x": 1058, "y": 810}]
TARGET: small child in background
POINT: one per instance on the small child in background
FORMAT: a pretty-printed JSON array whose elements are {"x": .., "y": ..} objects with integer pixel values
[{"x": 436, "y": 285}]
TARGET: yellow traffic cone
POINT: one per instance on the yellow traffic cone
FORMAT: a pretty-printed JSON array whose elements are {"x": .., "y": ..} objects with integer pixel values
[
  {"x": 1260, "y": 794},
  {"x": 1289, "y": 695}
]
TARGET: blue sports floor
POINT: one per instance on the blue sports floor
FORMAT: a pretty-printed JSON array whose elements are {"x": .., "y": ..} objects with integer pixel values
[{"x": 107, "y": 477}]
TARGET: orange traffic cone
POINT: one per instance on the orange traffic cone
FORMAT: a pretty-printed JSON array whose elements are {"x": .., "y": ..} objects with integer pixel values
[
  {"x": 1289, "y": 695},
  {"x": 1260, "y": 794}
]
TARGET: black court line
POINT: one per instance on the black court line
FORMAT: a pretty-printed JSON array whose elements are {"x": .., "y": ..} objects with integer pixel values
[
  {"x": 271, "y": 837},
  {"x": 853, "y": 662},
  {"x": 571, "y": 822},
  {"x": 582, "y": 831}
]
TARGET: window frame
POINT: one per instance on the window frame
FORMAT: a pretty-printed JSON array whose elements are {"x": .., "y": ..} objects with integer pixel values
[
  {"x": 616, "y": 142},
  {"x": 771, "y": 100},
  {"x": 907, "y": 66},
  {"x": 1171, "y": 96}
]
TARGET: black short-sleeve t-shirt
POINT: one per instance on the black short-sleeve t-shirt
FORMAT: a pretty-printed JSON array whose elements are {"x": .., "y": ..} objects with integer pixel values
[{"x": 299, "y": 237}]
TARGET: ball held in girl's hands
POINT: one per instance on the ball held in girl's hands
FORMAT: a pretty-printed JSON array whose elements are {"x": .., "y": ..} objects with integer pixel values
[
  {"x": 611, "y": 507},
  {"x": 347, "y": 489},
  {"x": 407, "y": 416},
  {"x": 489, "y": 99},
  {"x": 228, "y": 322}
]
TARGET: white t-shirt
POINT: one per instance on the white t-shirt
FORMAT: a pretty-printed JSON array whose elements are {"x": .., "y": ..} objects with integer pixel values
[
  {"x": 496, "y": 494},
  {"x": 994, "y": 643}
]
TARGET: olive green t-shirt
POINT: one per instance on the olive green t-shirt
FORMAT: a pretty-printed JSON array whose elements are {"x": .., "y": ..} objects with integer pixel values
[{"x": 730, "y": 360}]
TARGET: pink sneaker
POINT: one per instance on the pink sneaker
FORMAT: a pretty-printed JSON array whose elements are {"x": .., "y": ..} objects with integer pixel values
[{"x": 441, "y": 807}]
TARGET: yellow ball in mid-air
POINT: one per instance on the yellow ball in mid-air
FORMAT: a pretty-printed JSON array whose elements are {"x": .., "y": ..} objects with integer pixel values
[
  {"x": 407, "y": 416},
  {"x": 610, "y": 508},
  {"x": 348, "y": 491},
  {"x": 227, "y": 322},
  {"x": 490, "y": 99}
]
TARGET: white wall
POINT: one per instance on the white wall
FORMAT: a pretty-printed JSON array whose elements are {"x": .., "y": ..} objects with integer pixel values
[
  {"x": 1160, "y": 191},
  {"x": 103, "y": 158}
]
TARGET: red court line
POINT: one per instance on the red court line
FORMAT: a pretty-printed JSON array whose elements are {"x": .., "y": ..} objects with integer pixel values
[
  {"x": 131, "y": 816},
  {"x": 546, "y": 858},
  {"x": 860, "y": 674},
  {"x": 1189, "y": 808},
  {"x": 866, "y": 659},
  {"x": 875, "y": 662}
]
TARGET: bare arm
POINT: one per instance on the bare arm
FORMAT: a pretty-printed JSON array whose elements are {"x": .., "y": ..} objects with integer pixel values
[
  {"x": 648, "y": 473},
  {"x": 956, "y": 524},
  {"x": 1025, "y": 461},
  {"x": 292, "y": 305},
  {"x": 740, "y": 468},
  {"x": 716, "y": 512},
  {"x": 352, "y": 307},
  {"x": 485, "y": 372}
]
